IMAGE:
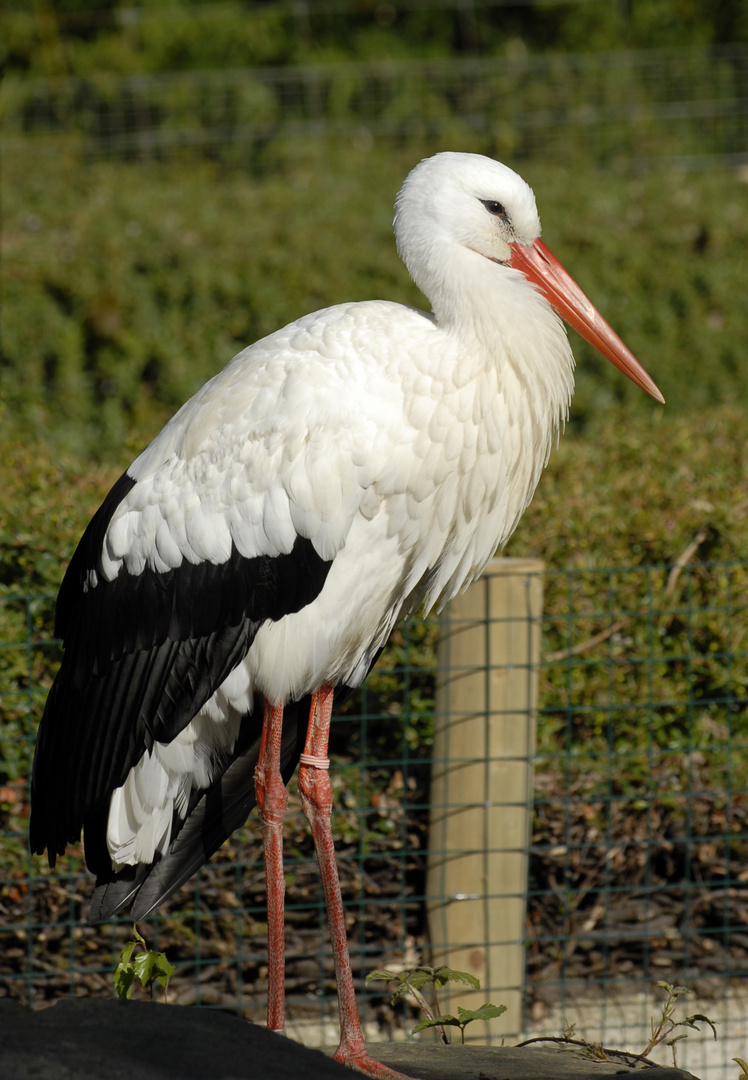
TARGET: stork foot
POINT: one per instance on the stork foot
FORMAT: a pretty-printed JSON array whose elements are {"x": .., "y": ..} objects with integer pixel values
[{"x": 358, "y": 1057}]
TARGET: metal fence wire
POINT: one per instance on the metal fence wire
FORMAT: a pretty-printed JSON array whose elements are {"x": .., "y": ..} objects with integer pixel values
[
  {"x": 684, "y": 106},
  {"x": 635, "y": 841}
]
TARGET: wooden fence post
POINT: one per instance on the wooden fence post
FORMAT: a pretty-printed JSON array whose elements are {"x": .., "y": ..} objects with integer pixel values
[{"x": 482, "y": 786}]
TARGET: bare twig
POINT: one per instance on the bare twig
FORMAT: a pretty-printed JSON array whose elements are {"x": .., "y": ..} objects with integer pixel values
[
  {"x": 590, "y": 643},
  {"x": 683, "y": 560},
  {"x": 622, "y": 1055}
]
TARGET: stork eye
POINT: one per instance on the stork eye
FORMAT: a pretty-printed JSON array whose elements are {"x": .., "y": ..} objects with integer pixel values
[{"x": 495, "y": 208}]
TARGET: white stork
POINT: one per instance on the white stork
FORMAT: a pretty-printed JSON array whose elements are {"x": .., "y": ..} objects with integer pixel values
[{"x": 253, "y": 561}]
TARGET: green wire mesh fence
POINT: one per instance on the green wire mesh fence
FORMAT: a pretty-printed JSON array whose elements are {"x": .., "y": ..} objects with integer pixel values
[
  {"x": 685, "y": 106},
  {"x": 640, "y": 858},
  {"x": 637, "y": 839}
]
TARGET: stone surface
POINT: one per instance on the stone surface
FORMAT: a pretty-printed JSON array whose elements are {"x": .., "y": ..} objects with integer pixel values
[
  {"x": 103, "y": 1039},
  {"x": 437, "y": 1062}
]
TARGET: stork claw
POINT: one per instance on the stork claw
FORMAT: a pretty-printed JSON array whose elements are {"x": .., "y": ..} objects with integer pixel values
[{"x": 365, "y": 1063}]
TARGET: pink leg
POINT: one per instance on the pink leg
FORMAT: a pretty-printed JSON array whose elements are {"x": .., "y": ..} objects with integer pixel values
[
  {"x": 272, "y": 798},
  {"x": 316, "y": 799}
]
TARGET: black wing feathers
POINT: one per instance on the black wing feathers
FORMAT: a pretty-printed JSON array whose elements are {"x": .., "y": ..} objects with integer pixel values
[
  {"x": 86, "y": 555},
  {"x": 212, "y": 817},
  {"x": 143, "y": 653}
]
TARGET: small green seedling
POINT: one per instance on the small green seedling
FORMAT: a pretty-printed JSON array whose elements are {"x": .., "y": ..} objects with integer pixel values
[
  {"x": 414, "y": 981},
  {"x": 149, "y": 967},
  {"x": 743, "y": 1068},
  {"x": 463, "y": 1018},
  {"x": 665, "y": 1025},
  {"x": 662, "y": 1029}
]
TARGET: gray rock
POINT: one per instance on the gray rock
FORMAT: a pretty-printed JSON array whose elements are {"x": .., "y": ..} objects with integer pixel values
[
  {"x": 438, "y": 1062},
  {"x": 103, "y": 1039}
]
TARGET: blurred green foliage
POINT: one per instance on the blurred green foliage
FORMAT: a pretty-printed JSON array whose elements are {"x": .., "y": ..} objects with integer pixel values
[
  {"x": 642, "y": 523},
  {"x": 78, "y": 37},
  {"x": 636, "y": 490},
  {"x": 126, "y": 286}
]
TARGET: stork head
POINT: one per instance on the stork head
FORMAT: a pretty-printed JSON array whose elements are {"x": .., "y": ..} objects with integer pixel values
[
  {"x": 465, "y": 199},
  {"x": 456, "y": 203}
]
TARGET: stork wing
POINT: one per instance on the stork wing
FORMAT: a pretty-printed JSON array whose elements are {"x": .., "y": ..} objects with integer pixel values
[
  {"x": 143, "y": 653},
  {"x": 210, "y": 820}
]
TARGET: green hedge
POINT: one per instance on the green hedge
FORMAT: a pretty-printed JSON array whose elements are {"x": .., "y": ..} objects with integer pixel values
[{"x": 79, "y": 37}]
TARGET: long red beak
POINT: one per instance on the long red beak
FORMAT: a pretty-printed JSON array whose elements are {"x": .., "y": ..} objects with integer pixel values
[{"x": 564, "y": 295}]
